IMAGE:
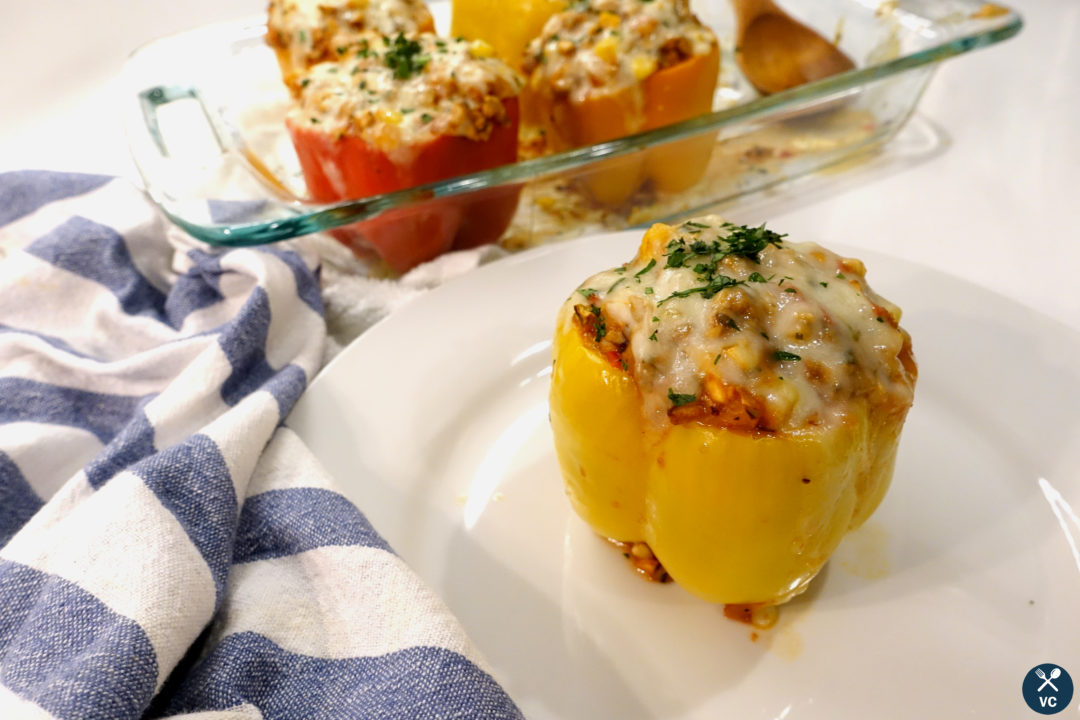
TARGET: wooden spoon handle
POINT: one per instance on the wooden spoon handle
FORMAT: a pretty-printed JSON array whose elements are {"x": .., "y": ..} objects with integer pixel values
[{"x": 746, "y": 11}]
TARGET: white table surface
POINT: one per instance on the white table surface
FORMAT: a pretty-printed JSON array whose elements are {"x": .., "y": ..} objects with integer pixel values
[{"x": 997, "y": 202}]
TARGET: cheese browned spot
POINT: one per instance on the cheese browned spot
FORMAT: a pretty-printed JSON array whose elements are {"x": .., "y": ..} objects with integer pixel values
[{"x": 737, "y": 328}]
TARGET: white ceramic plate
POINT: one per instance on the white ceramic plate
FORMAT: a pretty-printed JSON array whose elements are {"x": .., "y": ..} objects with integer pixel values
[{"x": 435, "y": 422}]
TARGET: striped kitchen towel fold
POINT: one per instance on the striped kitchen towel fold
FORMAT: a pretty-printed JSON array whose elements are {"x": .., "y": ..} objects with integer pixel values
[{"x": 167, "y": 547}]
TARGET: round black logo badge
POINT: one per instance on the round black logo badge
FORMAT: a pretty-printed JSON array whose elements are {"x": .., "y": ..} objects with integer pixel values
[{"x": 1047, "y": 689}]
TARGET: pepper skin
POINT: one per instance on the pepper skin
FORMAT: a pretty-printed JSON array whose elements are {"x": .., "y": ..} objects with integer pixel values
[
  {"x": 667, "y": 96},
  {"x": 486, "y": 20},
  {"x": 734, "y": 516},
  {"x": 348, "y": 167}
]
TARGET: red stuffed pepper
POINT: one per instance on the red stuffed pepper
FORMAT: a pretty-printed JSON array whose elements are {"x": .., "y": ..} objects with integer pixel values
[{"x": 399, "y": 112}]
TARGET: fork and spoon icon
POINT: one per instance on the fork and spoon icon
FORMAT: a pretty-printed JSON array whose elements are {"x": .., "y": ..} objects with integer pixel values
[{"x": 1054, "y": 675}]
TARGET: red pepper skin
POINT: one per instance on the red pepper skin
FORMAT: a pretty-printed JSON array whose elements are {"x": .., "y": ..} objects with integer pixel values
[{"x": 348, "y": 167}]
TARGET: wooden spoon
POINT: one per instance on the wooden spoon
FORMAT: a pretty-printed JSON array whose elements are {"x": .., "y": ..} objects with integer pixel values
[{"x": 776, "y": 52}]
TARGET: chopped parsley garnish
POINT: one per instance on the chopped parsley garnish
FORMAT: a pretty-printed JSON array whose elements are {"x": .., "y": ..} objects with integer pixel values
[
  {"x": 648, "y": 291},
  {"x": 880, "y": 319},
  {"x": 301, "y": 36},
  {"x": 341, "y": 49},
  {"x": 601, "y": 326},
  {"x": 587, "y": 291},
  {"x": 756, "y": 277},
  {"x": 655, "y": 319},
  {"x": 823, "y": 284},
  {"x": 614, "y": 284},
  {"x": 715, "y": 285},
  {"x": 839, "y": 275},
  {"x": 678, "y": 400},
  {"x": 790, "y": 289},
  {"x": 717, "y": 358},
  {"x": 425, "y": 118},
  {"x": 781, "y": 356},
  {"x": 653, "y": 336},
  {"x": 677, "y": 257},
  {"x": 314, "y": 121},
  {"x": 647, "y": 268},
  {"x": 304, "y": 82},
  {"x": 404, "y": 57},
  {"x": 739, "y": 241}
]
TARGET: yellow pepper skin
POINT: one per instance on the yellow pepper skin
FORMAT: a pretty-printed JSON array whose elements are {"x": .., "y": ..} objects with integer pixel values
[
  {"x": 487, "y": 20},
  {"x": 665, "y": 97},
  {"x": 735, "y": 517}
]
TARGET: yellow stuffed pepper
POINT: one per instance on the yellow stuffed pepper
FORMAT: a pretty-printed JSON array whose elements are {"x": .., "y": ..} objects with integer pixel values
[
  {"x": 605, "y": 69},
  {"x": 732, "y": 400}
]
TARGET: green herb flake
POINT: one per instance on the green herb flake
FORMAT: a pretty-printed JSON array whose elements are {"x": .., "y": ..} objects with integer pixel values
[
  {"x": 655, "y": 319},
  {"x": 790, "y": 290},
  {"x": 823, "y": 284},
  {"x": 425, "y": 118},
  {"x": 782, "y": 356},
  {"x": 676, "y": 258},
  {"x": 648, "y": 291},
  {"x": 653, "y": 336},
  {"x": 587, "y": 292},
  {"x": 839, "y": 275},
  {"x": 880, "y": 319},
  {"x": 305, "y": 82},
  {"x": 301, "y": 36},
  {"x": 404, "y": 57},
  {"x": 717, "y": 358},
  {"x": 677, "y": 400},
  {"x": 647, "y": 268},
  {"x": 756, "y": 277},
  {"x": 341, "y": 49},
  {"x": 314, "y": 121},
  {"x": 615, "y": 284},
  {"x": 691, "y": 223},
  {"x": 406, "y": 111}
]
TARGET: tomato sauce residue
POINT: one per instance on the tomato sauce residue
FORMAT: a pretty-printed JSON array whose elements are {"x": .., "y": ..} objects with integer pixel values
[{"x": 760, "y": 616}]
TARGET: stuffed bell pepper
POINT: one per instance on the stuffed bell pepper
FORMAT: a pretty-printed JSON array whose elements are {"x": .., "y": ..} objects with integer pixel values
[
  {"x": 394, "y": 113},
  {"x": 604, "y": 69},
  {"x": 732, "y": 400},
  {"x": 303, "y": 33}
]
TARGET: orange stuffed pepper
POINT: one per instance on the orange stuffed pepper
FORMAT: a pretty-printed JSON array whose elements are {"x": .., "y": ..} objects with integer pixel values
[
  {"x": 610, "y": 68},
  {"x": 397, "y": 113},
  {"x": 303, "y": 33}
]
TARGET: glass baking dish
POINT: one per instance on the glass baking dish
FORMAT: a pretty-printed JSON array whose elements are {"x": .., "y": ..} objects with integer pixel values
[{"x": 205, "y": 126}]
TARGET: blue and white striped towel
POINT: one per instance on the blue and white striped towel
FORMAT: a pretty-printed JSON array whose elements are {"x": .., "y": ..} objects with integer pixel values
[{"x": 166, "y": 546}]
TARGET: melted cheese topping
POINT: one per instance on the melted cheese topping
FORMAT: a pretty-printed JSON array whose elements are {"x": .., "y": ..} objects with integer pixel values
[
  {"x": 396, "y": 92},
  {"x": 737, "y": 328},
  {"x": 305, "y": 32},
  {"x": 601, "y": 46}
]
